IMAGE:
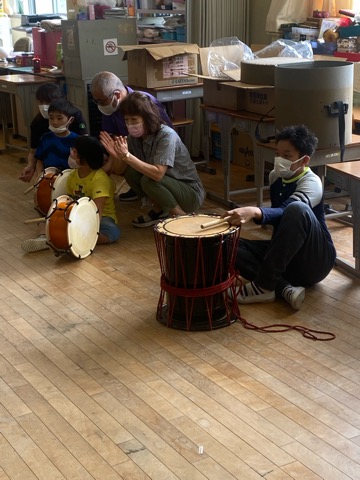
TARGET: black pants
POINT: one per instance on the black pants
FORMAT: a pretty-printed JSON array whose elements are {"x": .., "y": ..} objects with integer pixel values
[{"x": 299, "y": 252}]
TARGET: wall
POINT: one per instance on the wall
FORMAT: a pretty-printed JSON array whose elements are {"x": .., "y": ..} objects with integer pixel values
[{"x": 258, "y": 13}]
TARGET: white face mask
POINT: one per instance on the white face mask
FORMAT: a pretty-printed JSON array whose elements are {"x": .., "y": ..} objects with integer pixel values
[
  {"x": 72, "y": 162},
  {"x": 109, "y": 109},
  {"x": 44, "y": 110},
  {"x": 282, "y": 167},
  {"x": 61, "y": 129},
  {"x": 136, "y": 130}
]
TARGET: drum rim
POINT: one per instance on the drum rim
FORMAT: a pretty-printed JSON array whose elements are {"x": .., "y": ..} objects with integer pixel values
[
  {"x": 228, "y": 229},
  {"x": 72, "y": 246},
  {"x": 49, "y": 176}
]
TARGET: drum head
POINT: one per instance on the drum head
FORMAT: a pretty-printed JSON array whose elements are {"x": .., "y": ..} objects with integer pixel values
[
  {"x": 48, "y": 171},
  {"x": 189, "y": 226},
  {"x": 83, "y": 228},
  {"x": 60, "y": 184}
]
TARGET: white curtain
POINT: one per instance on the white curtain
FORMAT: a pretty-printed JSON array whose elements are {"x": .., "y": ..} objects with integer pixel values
[{"x": 294, "y": 11}]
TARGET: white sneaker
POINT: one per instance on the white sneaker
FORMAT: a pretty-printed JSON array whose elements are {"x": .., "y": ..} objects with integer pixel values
[
  {"x": 35, "y": 244},
  {"x": 251, "y": 293},
  {"x": 294, "y": 295}
]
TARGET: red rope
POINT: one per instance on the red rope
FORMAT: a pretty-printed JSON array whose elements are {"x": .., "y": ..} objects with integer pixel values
[
  {"x": 196, "y": 292},
  {"x": 283, "y": 327}
]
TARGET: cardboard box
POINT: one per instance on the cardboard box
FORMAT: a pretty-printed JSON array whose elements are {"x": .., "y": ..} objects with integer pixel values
[
  {"x": 259, "y": 100},
  {"x": 236, "y": 96},
  {"x": 161, "y": 65},
  {"x": 217, "y": 94},
  {"x": 243, "y": 150}
]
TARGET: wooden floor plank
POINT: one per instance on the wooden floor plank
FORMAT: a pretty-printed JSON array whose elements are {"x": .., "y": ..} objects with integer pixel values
[{"x": 94, "y": 387}]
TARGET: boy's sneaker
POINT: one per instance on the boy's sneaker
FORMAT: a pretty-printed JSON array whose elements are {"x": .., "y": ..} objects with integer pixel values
[
  {"x": 294, "y": 295},
  {"x": 251, "y": 293},
  {"x": 128, "y": 196},
  {"x": 35, "y": 244}
]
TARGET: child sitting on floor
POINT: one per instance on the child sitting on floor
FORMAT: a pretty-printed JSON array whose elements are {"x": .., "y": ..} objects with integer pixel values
[{"x": 88, "y": 180}]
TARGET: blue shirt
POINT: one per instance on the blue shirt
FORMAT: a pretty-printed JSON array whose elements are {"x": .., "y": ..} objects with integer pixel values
[{"x": 54, "y": 151}]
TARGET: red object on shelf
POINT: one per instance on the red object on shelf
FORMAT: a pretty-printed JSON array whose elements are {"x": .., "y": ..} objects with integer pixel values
[
  {"x": 351, "y": 56},
  {"x": 36, "y": 65},
  {"x": 348, "y": 13}
]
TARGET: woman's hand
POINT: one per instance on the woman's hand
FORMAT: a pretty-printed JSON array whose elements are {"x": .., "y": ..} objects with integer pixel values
[
  {"x": 242, "y": 215},
  {"x": 108, "y": 143},
  {"x": 115, "y": 146}
]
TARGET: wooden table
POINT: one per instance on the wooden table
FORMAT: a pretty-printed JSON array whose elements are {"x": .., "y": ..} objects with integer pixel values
[
  {"x": 349, "y": 176},
  {"x": 229, "y": 120},
  {"x": 23, "y": 86}
]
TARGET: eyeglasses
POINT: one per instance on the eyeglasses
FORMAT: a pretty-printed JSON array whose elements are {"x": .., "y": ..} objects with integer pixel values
[{"x": 103, "y": 102}]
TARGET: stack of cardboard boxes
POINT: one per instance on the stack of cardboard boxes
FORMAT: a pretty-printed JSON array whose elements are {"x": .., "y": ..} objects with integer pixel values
[{"x": 252, "y": 91}]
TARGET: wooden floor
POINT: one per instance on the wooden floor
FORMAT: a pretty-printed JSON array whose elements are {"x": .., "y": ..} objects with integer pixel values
[{"x": 92, "y": 386}]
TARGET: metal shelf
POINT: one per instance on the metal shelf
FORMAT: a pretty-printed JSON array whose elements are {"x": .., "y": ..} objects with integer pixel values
[{"x": 161, "y": 12}]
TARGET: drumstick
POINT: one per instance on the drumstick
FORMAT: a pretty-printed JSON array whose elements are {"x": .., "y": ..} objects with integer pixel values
[
  {"x": 35, "y": 220},
  {"x": 29, "y": 189},
  {"x": 218, "y": 221}
]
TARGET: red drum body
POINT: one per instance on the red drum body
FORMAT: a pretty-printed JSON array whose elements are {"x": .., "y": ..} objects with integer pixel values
[
  {"x": 51, "y": 184},
  {"x": 197, "y": 272},
  {"x": 72, "y": 226}
]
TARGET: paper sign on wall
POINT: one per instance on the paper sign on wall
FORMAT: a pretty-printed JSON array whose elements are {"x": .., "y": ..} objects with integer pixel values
[{"x": 110, "y": 46}]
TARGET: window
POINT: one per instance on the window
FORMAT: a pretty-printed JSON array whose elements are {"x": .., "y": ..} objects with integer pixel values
[{"x": 43, "y": 6}]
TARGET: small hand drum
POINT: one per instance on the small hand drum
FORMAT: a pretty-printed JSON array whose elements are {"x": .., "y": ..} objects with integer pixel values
[
  {"x": 197, "y": 272},
  {"x": 51, "y": 184},
  {"x": 72, "y": 226}
]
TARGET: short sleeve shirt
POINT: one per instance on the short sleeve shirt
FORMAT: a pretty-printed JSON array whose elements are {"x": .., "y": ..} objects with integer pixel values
[
  {"x": 95, "y": 185},
  {"x": 54, "y": 151}
]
